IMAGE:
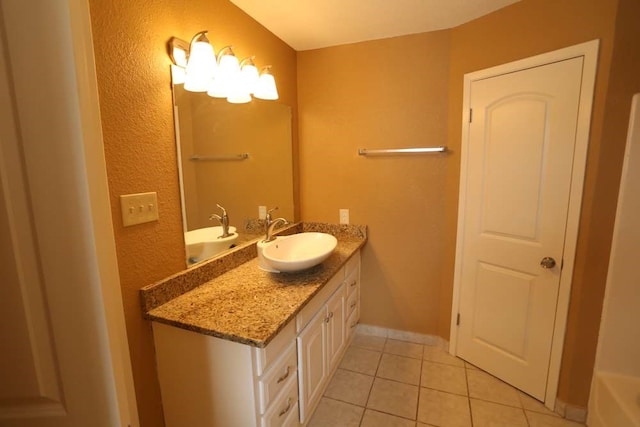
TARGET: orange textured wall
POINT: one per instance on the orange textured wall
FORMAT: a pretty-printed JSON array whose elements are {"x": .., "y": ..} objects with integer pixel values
[
  {"x": 525, "y": 29},
  {"x": 410, "y": 205},
  {"x": 137, "y": 118},
  {"x": 389, "y": 93}
]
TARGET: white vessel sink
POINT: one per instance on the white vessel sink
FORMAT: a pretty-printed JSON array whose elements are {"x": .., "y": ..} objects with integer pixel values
[
  {"x": 299, "y": 251},
  {"x": 204, "y": 243}
]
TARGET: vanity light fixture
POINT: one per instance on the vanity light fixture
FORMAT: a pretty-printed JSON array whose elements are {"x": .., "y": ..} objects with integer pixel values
[{"x": 222, "y": 75}]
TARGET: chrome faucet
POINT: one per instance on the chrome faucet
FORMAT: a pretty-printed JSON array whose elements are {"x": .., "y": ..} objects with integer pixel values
[
  {"x": 270, "y": 225},
  {"x": 224, "y": 222}
]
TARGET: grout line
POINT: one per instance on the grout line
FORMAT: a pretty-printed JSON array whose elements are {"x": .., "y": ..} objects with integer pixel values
[
  {"x": 419, "y": 386},
  {"x": 374, "y": 379},
  {"x": 466, "y": 379}
]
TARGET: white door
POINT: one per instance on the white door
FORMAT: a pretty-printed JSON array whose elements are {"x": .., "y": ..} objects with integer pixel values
[
  {"x": 64, "y": 358},
  {"x": 518, "y": 179}
]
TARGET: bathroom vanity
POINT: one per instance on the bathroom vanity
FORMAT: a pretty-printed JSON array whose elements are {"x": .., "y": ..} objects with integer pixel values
[{"x": 252, "y": 348}]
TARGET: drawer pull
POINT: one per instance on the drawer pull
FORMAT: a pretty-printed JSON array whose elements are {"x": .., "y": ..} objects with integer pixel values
[
  {"x": 352, "y": 305},
  {"x": 353, "y": 283},
  {"x": 285, "y": 376},
  {"x": 285, "y": 410}
]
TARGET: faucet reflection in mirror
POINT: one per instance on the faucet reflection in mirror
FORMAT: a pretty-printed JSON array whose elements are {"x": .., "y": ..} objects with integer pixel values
[{"x": 222, "y": 76}]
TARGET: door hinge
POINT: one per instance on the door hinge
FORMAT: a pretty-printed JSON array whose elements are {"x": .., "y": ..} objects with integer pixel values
[
  {"x": 470, "y": 115},
  {"x": 561, "y": 264},
  {"x": 458, "y": 320}
]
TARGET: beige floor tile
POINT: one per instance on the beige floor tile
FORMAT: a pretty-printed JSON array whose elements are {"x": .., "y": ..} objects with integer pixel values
[
  {"x": 399, "y": 368},
  {"x": 531, "y": 404},
  {"x": 378, "y": 419},
  {"x": 370, "y": 342},
  {"x": 436, "y": 354},
  {"x": 394, "y": 398},
  {"x": 332, "y": 413},
  {"x": 537, "y": 419},
  {"x": 361, "y": 360},
  {"x": 487, "y": 414},
  {"x": 470, "y": 366},
  {"x": 486, "y": 387},
  {"x": 350, "y": 387},
  {"x": 404, "y": 348},
  {"x": 443, "y": 409},
  {"x": 444, "y": 378}
]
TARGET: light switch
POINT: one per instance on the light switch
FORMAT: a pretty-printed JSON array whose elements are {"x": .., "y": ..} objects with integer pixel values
[
  {"x": 139, "y": 208},
  {"x": 344, "y": 216}
]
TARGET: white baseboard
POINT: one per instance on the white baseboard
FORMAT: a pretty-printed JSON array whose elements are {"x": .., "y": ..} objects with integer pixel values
[
  {"x": 571, "y": 412},
  {"x": 414, "y": 337}
]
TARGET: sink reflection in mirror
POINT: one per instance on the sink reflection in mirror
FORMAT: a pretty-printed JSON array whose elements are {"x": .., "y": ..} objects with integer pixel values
[
  {"x": 296, "y": 252},
  {"x": 204, "y": 243},
  {"x": 212, "y": 137}
]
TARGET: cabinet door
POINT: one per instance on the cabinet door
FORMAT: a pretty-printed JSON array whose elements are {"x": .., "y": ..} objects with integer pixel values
[
  {"x": 312, "y": 363},
  {"x": 336, "y": 328}
]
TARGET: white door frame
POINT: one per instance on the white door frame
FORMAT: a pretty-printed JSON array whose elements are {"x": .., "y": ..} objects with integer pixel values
[{"x": 589, "y": 51}]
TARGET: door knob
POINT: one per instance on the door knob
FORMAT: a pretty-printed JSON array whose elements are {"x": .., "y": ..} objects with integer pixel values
[{"x": 547, "y": 262}]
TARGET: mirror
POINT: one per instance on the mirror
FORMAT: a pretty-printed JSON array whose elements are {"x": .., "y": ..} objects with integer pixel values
[{"x": 236, "y": 155}]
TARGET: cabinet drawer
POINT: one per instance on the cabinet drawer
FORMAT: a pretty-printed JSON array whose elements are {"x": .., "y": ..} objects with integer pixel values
[
  {"x": 353, "y": 264},
  {"x": 281, "y": 410},
  {"x": 316, "y": 303},
  {"x": 353, "y": 282},
  {"x": 352, "y": 322},
  {"x": 277, "y": 376},
  {"x": 352, "y": 303},
  {"x": 264, "y": 357}
]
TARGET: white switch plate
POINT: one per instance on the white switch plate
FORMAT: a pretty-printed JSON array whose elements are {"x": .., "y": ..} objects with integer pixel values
[
  {"x": 139, "y": 208},
  {"x": 262, "y": 212},
  {"x": 344, "y": 216}
]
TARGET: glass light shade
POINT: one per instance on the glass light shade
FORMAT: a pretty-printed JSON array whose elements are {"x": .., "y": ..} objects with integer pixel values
[
  {"x": 237, "y": 91},
  {"x": 200, "y": 67},
  {"x": 266, "y": 87},
  {"x": 249, "y": 74},
  {"x": 179, "y": 56},
  {"x": 227, "y": 72},
  {"x": 217, "y": 88},
  {"x": 228, "y": 63}
]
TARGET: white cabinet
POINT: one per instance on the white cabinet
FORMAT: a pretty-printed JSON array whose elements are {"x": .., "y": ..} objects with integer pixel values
[
  {"x": 207, "y": 381},
  {"x": 320, "y": 347},
  {"x": 323, "y": 339},
  {"x": 352, "y": 306},
  {"x": 335, "y": 328},
  {"x": 312, "y": 364}
]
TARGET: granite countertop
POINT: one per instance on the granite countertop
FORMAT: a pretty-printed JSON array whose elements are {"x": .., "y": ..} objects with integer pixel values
[{"x": 248, "y": 305}]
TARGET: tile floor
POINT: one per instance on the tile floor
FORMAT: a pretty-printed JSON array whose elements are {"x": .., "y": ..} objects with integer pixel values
[{"x": 387, "y": 383}]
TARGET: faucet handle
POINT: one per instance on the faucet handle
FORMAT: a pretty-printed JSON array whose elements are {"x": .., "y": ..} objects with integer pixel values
[
  {"x": 224, "y": 211},
  {"x": 268, "y": 217}
]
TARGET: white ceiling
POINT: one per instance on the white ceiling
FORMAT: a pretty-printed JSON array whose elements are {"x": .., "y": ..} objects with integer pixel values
[{"x": 312, "y": 24}]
